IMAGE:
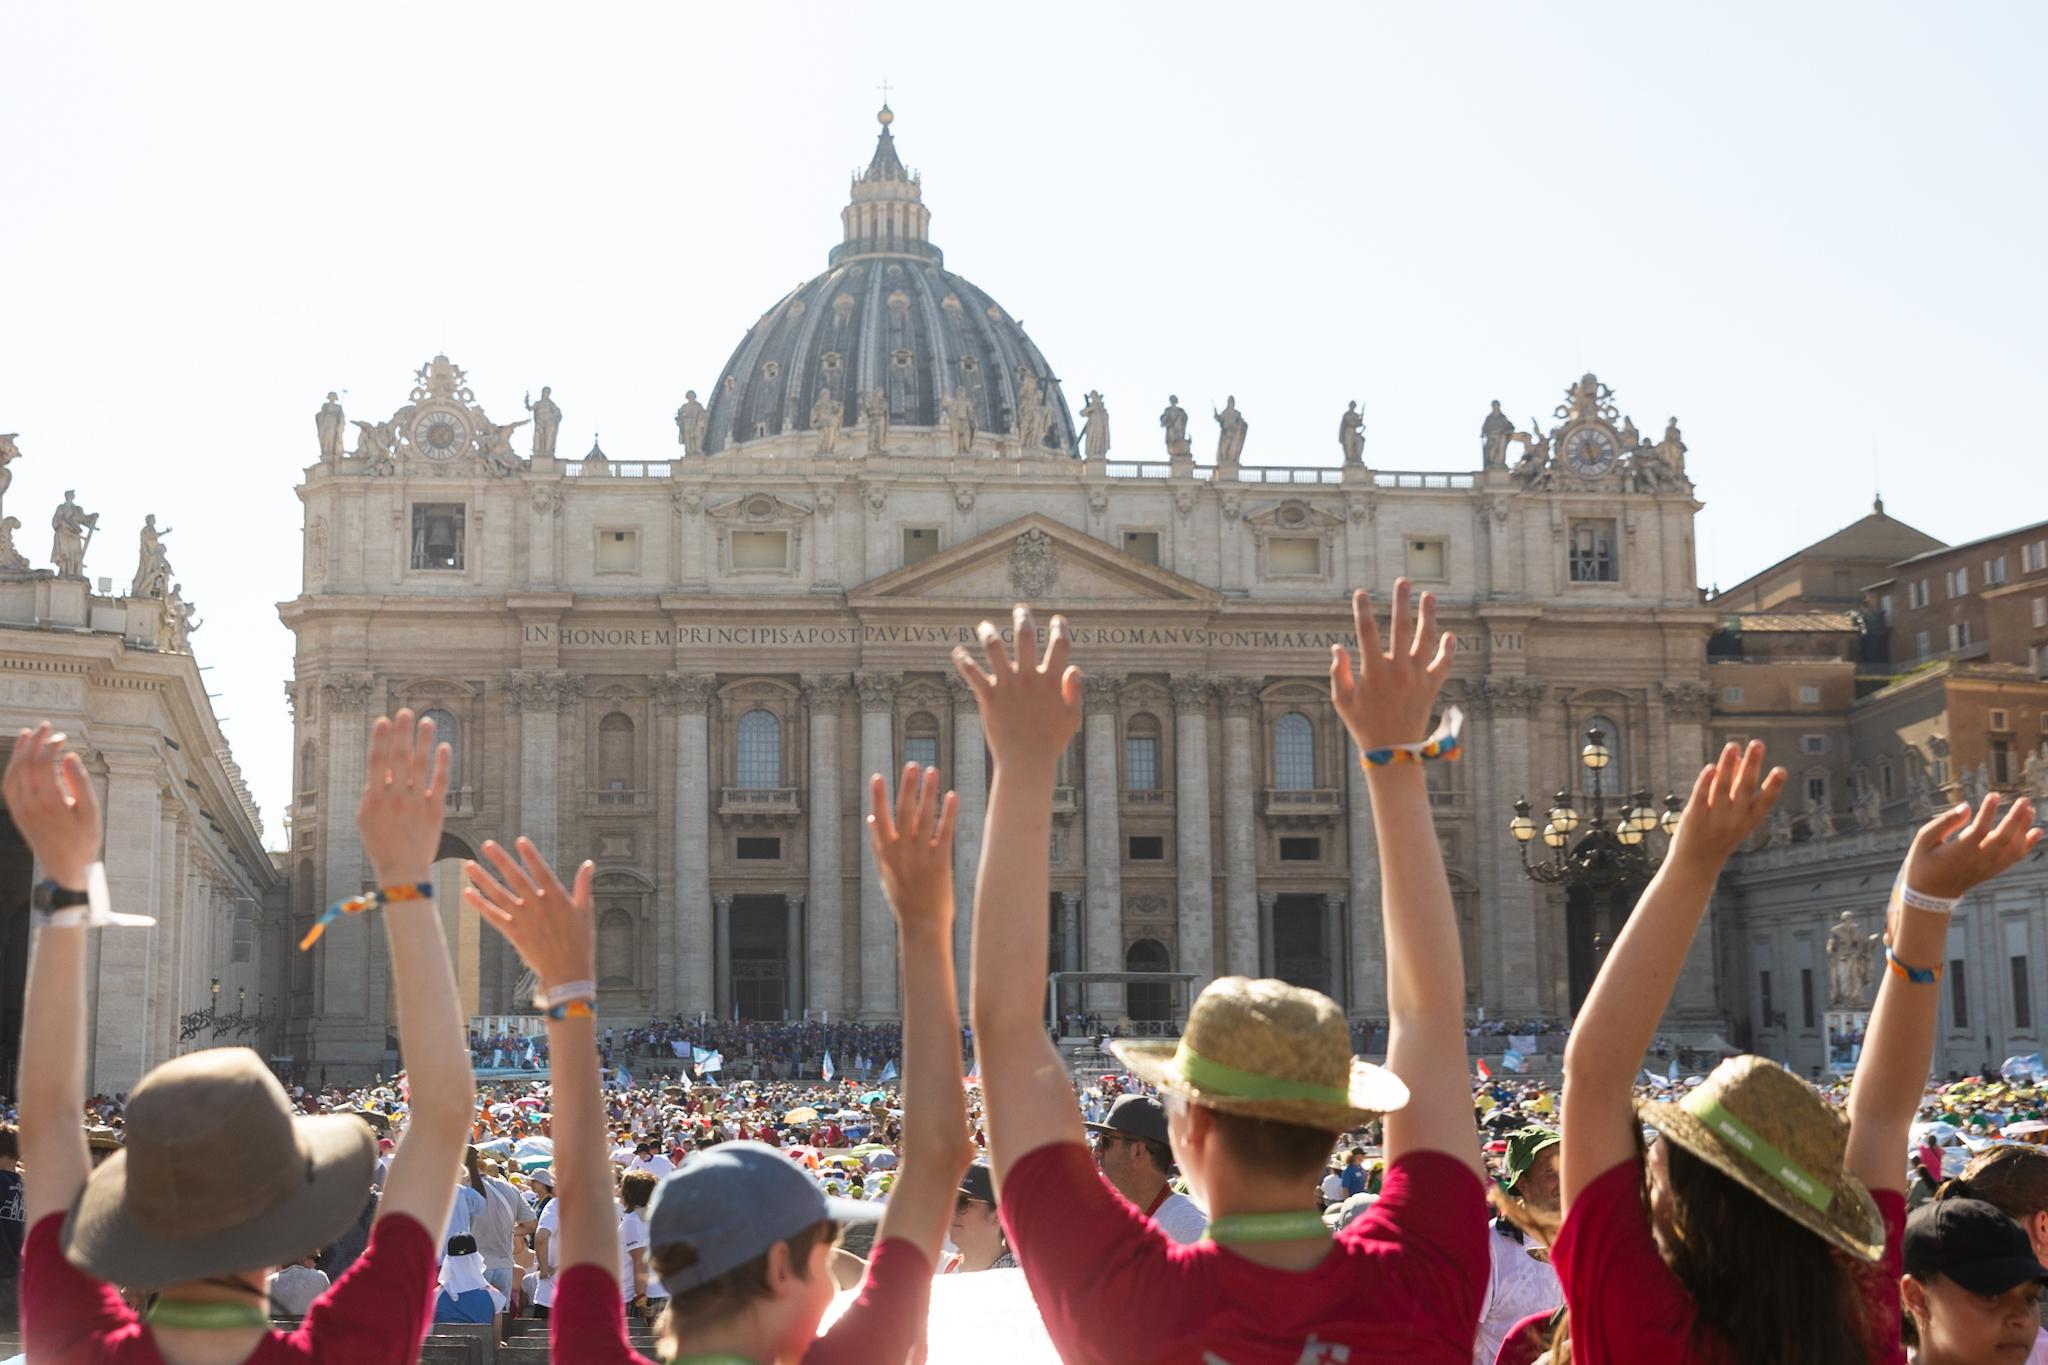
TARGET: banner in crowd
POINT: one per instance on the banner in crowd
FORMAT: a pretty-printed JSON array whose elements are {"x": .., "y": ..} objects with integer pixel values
[
  {"x": 1512, "y": 1060},
  {"x": 1524, "y": 1043}
]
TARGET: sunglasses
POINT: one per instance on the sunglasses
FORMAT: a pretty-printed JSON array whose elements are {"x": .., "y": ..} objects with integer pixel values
[{"x": 967, "y": 1202}]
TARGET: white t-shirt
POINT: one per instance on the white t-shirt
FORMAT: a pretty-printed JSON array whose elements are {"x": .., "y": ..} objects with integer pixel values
[
  {"x": 656, "y": 1165},
  {"x": 1333, "y": 1188},
  {"x": 1180, "y": 1218},
  {"x": 461, "y": 1214},
  {"x": 1517, "y": 1285},
  {"x": 551, "y": 1224},
  {"x": 633, "y": 1233}
]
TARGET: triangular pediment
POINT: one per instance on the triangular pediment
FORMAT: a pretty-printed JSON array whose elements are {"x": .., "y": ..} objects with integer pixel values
[{"x": 1036, "y": 559}]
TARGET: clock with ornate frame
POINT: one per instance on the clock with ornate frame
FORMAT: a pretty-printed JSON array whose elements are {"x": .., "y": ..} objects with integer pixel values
[
  {"x": 1590, "y": 451},
  {"x": 440, "y": 433}
]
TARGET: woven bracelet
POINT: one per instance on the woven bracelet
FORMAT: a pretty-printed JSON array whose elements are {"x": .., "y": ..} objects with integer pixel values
[{"x": 369, "y": 900}]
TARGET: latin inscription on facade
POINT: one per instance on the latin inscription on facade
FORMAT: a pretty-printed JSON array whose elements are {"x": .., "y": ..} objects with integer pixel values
[{"x": 799, "y": 637}]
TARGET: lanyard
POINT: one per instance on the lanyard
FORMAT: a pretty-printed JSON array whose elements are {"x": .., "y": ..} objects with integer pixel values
[
  {"x": 205, "y": 1317},
  {"x": 1266, "y": 1227},
  {"x": 711, "y": 1360}
]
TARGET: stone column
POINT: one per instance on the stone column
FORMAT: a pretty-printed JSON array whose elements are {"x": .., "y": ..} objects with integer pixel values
[
  {"x": 688, "y": 695},
  {"x": 1267, "y": 901},
  {"x": 1240, "y": 850},
  {"x": 1105, "y": 927},
  {"x": 1333, "y": 947},
  {"x": 1070, "y": 947},
  {"x": 1196, "y": 882},
  {"x": 1368, "y": 934},
  {"x": 1694, "y": 1003},
  {"x": 540, "y": 698},
  {"x": 826, "y": 966},
  {"x": 722, "y": 954},
  {"x": 877, "y": 928},
  {"x": 970, "y": 781},
  {"x": 1511, "y": 904},
  {"x": 794, "y": 906},
  {"x": 346, "y": 1036},
  {"x": 127, "y": 957}
]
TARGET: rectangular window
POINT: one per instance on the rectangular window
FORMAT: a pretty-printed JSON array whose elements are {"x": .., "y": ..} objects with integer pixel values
[
  {"x": 1764, "y": 984},
  {"x": 1142, "y": 545},
  {"x": 1809, "y": 696},
  {"x": 2001, "y": 764},
  {"x": 1884, "y": 781},
  {"x": 2040, "y": 612},
  {"x": 1806, "y": 997},
  {"x": 2001, "y": 720},
  {"x": 1958, "y": 993},
  {"x": 1817, "y": 789},
  {"x": 1813, "y": 744},
  {"x": 1299, "y": 556},
  {"x": 760, "y": 848},
  {"x": 1959, "y": 581},
  {"x": 1916, "y": 593},
  {"x": 437, "y": 535},
  {"x": 760, "y": 550},
  {"x": 922, "y": 750},
  {"x": 2022, "y": 998},
  {"x": 2037, "y": 655},
  {"x": 1592, "y": 553},
  {"x": 1994, "y": 571},
  {"x": 1884, "y": 608},
  {"x": 1731, "y": 696},
  {"x": 618, "y": 552},
  {"x": 1922, "y": 645},
  {"x": 2034, "y": 558},
  {"x": 1959, "y": 635},
  {"x": 1141, "y": 763},
  {"x": 919, "y": 544},
  {"x": 1148, "y": 848},
  {"x": 1300, "y": 850},
  {"x": 1426, "y": 560}
]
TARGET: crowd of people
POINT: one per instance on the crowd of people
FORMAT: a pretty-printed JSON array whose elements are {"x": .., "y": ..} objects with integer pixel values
[{"x": 1248, "y": 1192}]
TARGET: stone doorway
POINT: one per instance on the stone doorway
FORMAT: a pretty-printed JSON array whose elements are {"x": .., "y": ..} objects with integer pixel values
[
  {"x": 762, "y": 957},
  {"x": 1592, "y": 918},
  {"x": 1301, "y": 953}
]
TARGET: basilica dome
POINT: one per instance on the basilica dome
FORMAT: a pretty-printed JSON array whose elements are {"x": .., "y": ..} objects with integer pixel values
[{"x": 888, "y": 315}]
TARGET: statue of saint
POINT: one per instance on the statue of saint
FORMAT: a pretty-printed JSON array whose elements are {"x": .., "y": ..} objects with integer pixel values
[
  {"x": 1493, "y": 437},
  {"x": 1034, "y": 416},
  {"x": 1095, "y": 429},
  {"x": 178, "y": 621},
  {"x": 1672, "y": 448},
  {"x": 1851, "y": 968},
  {"x": 153, "y": 569},
  {"x": 1175, "y": 421},
  {"x": 74, "y": 527},
  {"x": 827, "y": 415},
  {"x": 960, "y": 420},
  {"x": 2036, "y": 775},
  {"x": 692, "y": 422},
  {"x": 1532, "y": 470},
  {"x": 495, "y": 441},
  {"x": 9, "y": 453},
  {"x": 329, "y": 422},
  {"x": 1231, "y": 431},
  {"x": 11, "y": 559},
  {"x": 876, "y": 413},
  {"x": 1351, "y": 434},
  {"x": 1631, "y": 439},
  {"x": 1820, "y": 820},
  {"x": 1869, "y": 807},
  {"x": 547, "y": 420},
  {"x": 375, "y": 442}
]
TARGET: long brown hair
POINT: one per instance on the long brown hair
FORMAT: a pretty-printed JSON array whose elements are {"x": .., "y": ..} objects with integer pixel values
[{"x": 2011, "y": 1178}]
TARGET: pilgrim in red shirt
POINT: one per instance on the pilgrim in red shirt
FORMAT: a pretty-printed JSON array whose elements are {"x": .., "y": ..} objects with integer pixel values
[
  {"x": 377, "y": 1312},
  {"x": 1401, "y": 1284},
  {"x": 587, "y": 1325},
  {"x": 1627, "y": 1305}
]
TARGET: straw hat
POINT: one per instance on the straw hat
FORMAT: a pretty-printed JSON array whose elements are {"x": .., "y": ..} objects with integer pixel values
[
  {"x": 217, "y": 1176},
  {"x": 1268, "y": 1050},
  {"x": 1772, "y": 1134}
]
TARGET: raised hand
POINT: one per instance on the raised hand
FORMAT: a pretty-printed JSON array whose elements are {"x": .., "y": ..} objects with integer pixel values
[
  {"x": 1029, "y": 709},
  {"x": 1939, "y": 865},
  {"x": 404, "y": 785},
  {"x": 554, "y": 929},
  {"x": 1391, "y": 698},
  {"x": 52, "y": 804},
  {"x": 914, "y": 845},
  {"x": 1730, "y": 798}
]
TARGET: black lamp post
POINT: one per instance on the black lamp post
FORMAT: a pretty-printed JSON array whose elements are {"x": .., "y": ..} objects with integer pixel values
[{"x": 1590, "y": 851}]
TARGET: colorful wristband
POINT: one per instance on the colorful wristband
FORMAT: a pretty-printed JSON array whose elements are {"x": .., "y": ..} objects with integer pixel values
[
  {"x": 1442, "y": 744},
  {"x": 568, "y": 990},
  {"x": 369, "y": 900},
  {"x": 1920, "y": 900},
  {"x": 572, "y": 1009},
  {"x": 1919, "y": 976}
]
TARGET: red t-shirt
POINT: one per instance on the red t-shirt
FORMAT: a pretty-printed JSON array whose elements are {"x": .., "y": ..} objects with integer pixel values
[
  {"x": 378, "y": 1311},
  {"x": 1402, "y": 1283},
  {"x": 1627, "y": 1305},
  {"x": 587, "y": 1325}
]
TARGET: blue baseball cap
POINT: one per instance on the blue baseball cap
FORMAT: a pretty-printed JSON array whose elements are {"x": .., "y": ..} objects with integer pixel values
[{"x": 732, "y": 1202}]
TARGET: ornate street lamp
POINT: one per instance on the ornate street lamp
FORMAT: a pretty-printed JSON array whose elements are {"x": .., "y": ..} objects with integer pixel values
[{"x": 1591, "y": 851}]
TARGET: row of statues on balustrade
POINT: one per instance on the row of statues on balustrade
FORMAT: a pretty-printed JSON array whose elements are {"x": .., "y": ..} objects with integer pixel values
[
  {"x": 72, "y": 530},
  {"x": 1924, "y": 799}
]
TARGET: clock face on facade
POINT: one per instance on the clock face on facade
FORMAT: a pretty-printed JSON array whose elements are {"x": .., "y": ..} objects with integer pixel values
[
  {"x": 439, "y": 434},
  {"x": 1589, "y": 452}
]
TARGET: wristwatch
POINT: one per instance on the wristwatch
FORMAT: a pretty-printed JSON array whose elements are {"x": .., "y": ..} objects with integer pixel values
[{"x": 48, "y": 897}]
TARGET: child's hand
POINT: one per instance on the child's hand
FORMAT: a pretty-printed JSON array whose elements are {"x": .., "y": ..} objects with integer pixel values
[
  {"x": 914, "y": 846},
  {"x": 1938, "y": 865},
  {"x": 1391, "y": 699},
  {"x": 1730, "y": 798},
  {"x": 404, "y": 783},
  {"x": 554, "y": 930},
  {"x": 51, "y": 801},
  {"x": 1029, "y": 711}
]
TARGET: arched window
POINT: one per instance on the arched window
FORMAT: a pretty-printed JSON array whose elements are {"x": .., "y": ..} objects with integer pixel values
[
  {"x": 760, "y": 754},
  {"x": 1141, "y": 754},
  {"x": 921, "y": 740},
  {"x": 615, "y": 948},
  {"x": 445, "y": 732},
  {"x": 615, "y": 752},
  {"x": 308, "y": 768},
  {"x": 1294, "y": 753},
  {"x": 1608, "y": 780},
  {"x": 1148, "y": 1001}
]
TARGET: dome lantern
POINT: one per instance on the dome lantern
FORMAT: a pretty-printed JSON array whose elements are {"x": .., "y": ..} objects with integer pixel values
[{"x": 886, "y": 215}]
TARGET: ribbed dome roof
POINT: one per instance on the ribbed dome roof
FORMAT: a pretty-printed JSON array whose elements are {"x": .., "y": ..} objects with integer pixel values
[{"x": 888, "y": 315}]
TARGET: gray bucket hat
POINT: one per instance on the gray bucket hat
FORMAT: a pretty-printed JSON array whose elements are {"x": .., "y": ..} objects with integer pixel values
[{"x": 732, "y": 1202}]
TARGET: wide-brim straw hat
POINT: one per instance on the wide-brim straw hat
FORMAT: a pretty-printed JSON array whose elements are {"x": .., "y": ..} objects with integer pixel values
[
  {"x": 217, "y": 1176},
  {"x": 1773, "y": 1134},
  {"x": 1268, "y": 1050}
]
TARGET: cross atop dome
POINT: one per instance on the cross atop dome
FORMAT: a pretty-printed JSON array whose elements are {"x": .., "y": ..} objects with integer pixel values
[{"x": 886, "y": 215}]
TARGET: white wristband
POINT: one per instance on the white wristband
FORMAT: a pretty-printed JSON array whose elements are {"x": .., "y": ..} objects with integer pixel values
[
  {"x": 1920, "y": 900},
  {"x": 98, "y": 911},
  {"x": 562, "y": 994}
]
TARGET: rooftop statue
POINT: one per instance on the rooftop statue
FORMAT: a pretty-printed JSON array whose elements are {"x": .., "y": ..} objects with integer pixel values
[
  {"x": 1231, "y": 431},
  {"x": 828, "y": 414},
  {"x": 1351, "y": 434},
  {"x": 74, "y": 528},
  {"x": 153, "y": 567},
  {"x": 329, "y": 423},
  {"x": 960, "y": 420},
  {"x": 547, "y": 421},
  {"x": 1175, "y": 422},
  {"x": 1095, "y": 431},
  {"x": 692, "y": 422},
  {"x": 1494, "y": 433}
]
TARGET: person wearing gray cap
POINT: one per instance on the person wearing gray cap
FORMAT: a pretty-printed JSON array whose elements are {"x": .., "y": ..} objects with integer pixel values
[
  {"x": 741, "y": 1236},
  {"x": 1134, "y": 1155}
]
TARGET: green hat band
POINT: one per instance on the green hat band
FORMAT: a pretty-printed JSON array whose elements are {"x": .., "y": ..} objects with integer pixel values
[
  {"x": 1219, "y": 1079},
  {"x": 1751, "y": 1144}
]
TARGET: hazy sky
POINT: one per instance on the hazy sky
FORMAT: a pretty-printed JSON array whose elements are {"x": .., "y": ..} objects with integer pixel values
[{"x": 1813, "y": 232}]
